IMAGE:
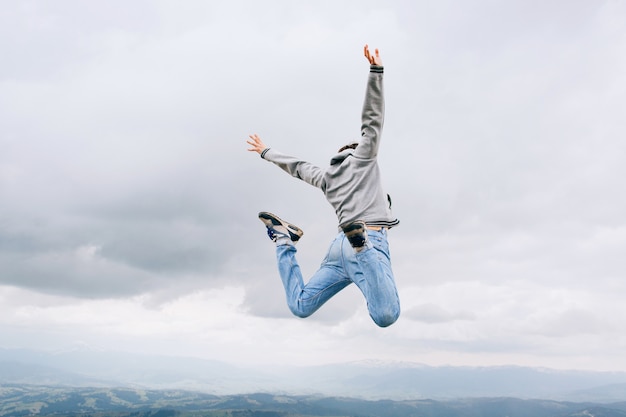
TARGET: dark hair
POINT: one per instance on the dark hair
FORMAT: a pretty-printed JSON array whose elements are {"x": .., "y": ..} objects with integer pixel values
[{"x": 350, "y": 146}]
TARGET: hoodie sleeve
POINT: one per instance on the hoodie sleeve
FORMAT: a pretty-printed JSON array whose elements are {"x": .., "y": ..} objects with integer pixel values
[
  {"x": 373, "y": 115},
  {"x": 295, "y": 167}
]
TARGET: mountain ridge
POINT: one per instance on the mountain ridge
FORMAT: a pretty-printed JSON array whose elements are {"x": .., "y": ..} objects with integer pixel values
[
  {"x": 25, "y": 400},
  {"x": 370, "y": 379}
]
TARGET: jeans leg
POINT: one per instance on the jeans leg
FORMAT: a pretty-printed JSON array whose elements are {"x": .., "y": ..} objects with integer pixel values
[
  {"x": 372, "y": 273},
  {"x": 303, "y": 300}
]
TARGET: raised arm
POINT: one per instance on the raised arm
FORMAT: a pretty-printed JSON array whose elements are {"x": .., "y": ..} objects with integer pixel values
[
  {"x": 295, "y": 167},
  {"x": 373, "y": 59},
  {"x": 373, "y": 114},
  {"x": 256, "y": 144}
]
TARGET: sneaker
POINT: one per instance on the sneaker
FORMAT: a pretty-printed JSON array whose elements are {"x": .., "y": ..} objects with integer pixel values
[
  {"x": 277, "y": 228},
  {"x": 356, "y": 234}
]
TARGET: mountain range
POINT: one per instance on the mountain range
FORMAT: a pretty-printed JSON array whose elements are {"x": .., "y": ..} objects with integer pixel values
[
  {"x": 22, "y": 401},
  {"x": 364, "y": 380}
]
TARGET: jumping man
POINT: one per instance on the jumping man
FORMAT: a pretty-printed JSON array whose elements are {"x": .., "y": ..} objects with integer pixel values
[{"x": 352, "y": 185}]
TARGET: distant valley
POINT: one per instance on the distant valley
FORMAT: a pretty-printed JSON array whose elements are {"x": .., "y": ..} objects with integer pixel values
[
  {"x": 21, "y": 400},
  {"x": 368, "y": 380},
  {"x": 118, "y": 379}
]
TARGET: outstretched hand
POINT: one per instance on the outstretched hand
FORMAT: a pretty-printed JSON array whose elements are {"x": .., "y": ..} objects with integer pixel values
[
  {"x": 373, "y": 59},
  {"x": 256, "y": 143}
]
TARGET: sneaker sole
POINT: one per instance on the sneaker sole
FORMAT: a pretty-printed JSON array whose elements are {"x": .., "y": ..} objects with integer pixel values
[{"x": 271, "y": 220}]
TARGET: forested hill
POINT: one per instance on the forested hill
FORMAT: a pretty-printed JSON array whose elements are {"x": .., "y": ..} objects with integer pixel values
[{"x": 28, "y": 400}]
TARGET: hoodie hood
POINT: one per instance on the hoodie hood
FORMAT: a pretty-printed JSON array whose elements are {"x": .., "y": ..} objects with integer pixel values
[{"x": 341, "y": 156}]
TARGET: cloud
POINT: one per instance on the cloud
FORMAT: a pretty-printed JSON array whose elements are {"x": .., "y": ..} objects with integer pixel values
[
  {"x": 124, "y": 179},
  {"x": 431, "y": 313},
  {"x": 575, "y": 322}
]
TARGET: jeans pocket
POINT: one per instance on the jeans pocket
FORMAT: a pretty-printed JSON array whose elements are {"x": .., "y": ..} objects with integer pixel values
[{"x": 379, "y": 240}]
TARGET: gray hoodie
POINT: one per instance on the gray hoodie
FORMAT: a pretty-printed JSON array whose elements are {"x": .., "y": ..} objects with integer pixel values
[{"x": 352, "y": 183}]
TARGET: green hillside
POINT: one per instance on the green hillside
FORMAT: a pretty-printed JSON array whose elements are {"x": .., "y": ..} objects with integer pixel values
[{"x": 29, "y": 400}]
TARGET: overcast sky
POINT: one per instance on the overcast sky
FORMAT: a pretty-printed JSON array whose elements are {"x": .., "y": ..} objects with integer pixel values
[{"x": 128, "y": 201}]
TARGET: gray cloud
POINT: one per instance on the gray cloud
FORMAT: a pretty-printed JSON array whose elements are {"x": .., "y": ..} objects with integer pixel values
[
  {"x": 123, "y": 168},
  {"x": 574, "y": 322},
  {"x": 431, "y": 313}
]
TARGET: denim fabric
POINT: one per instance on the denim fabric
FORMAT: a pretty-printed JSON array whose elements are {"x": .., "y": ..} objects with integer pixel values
[{"x": 369, "y": 269}]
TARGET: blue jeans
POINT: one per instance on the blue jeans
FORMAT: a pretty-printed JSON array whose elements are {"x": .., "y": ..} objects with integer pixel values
[{"x": 369, "y": 269}]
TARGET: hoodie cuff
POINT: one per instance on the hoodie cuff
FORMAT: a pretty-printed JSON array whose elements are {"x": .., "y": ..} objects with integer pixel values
[
  {"x": 264, "y": 152},
  {"x": 377, "y": 68}
]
